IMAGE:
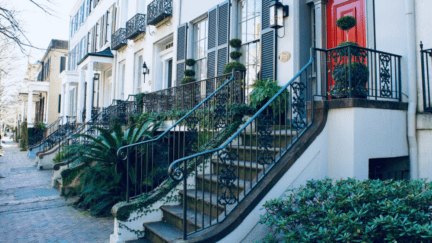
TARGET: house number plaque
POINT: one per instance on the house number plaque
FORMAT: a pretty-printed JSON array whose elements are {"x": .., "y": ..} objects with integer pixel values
[{"x": 285, "y": 56}]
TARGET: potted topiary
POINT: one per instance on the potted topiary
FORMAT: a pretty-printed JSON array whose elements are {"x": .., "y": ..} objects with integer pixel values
[
  {"x": 189, "y": 73},
  {"x": 359, "y": 71},
  {"x": 235, "y": 55}
]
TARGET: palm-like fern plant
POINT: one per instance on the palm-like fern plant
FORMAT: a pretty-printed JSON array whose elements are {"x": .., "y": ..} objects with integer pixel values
[{"x": 104, "y": 181}]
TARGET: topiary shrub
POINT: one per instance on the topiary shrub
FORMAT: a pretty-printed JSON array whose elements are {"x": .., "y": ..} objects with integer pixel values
[
  {"x": 230, "y": 66},
  {"x": 24, "y": 136},
  {"x": 189, "y": 72},
  {"x": 190, "y": 62},
  {"x": 348, "y": 43},
  {"x": 352, "y": 211},
  {"x": 235, "y": 55},
  {"x": 346, "y": 23},
  {"x": 187, "y": 80},
  {"x": 235, "y": 43}
]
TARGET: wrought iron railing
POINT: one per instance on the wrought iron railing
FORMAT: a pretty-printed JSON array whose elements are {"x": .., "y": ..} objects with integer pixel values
[
  {"x": 136, "y": 26},
  {"x": 59, "y": 135},
  {"x": 37, "y": 138},
  {"x": 357, "y": 72},
  {"x": 149, "y": 160},
  {"x": 94, "y": 112},
  {"x": 184, "y": 97},
  {"x": 118, "y": 39},
  {"x": 158, "y": 10},
  {"x": 426, "y": 56},
  {"x": 224, "y": 176}
]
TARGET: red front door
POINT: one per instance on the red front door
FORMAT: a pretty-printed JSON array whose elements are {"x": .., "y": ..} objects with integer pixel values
[{"x": 341, "y": 8}]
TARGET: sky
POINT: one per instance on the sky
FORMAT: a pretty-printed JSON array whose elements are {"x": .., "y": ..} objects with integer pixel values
[{"x": 40, "y": 28}]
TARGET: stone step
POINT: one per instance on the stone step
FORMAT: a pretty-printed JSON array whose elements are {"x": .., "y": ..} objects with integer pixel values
[
  {"x": 161, "y": 232},
  {"x": 174, "y": 216},
  {"x": 141, "y": 240},
  {"x": 215, "y": 187},
  {"x": 252, "y": 153},
  {"x": 279, "y": 138},
  {"x": 244, "y": 169},
  {"x": 209, "y": 200}
]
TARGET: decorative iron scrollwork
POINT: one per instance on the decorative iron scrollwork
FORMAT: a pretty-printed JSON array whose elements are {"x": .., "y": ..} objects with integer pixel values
[
  {"x": 227, "y": 178},
  {"x": 220, "y": 112},
  {"x": 192, "y": 135},
  {"x": 298, "y": 105},
  {"x": 385, "y": 75},
  {"x": 265, "y": 139}
]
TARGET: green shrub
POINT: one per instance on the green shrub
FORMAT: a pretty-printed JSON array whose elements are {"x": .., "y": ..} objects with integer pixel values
[
  {"x": 190, "y": 62},
  {"x": 346, "y": 23},
  {"x": 233, "y": 65},
  {"x": 263, "y": 91},
  {"x": 187, "y": 80},
  {"x": 352, "y": 211},
  {"x": 359, "y": 78},
  {"x": 348, "y": 43},
  {"x": 24, "y": 136},
  {"x": 189, "y": 73},
  {"x": 235, "y": 55},
  {"x": 235, "y": 43}
]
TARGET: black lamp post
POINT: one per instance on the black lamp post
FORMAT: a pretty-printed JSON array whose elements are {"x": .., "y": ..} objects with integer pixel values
[
  {"x": 146, "y": 70},
  {"x": 278, "y": 12}
]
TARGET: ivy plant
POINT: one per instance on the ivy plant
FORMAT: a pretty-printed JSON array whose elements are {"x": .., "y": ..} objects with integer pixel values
[{"x": 263, "y": 91}]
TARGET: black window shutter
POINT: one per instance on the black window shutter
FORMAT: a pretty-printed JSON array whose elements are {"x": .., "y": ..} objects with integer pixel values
[
  {"x": 181, "y": 51},
  {"x": 62, "y": 64},
  {"x": 59, "y": 103},
  {"x": 268, "y": 46},
  {"x": 218, "y": 37}
]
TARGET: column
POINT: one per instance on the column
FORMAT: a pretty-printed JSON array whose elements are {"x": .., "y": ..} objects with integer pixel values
[
  {"x": 30, "y": 111},
  {"x": 23, "y": 115},
  {"x": 80, "y": 95},
  {"x": 67, "y": 100},
  {"x": 320, "y": 40},
  {"x": 89, "y": 99}
]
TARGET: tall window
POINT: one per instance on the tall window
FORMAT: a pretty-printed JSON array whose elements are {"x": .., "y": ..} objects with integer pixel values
[
  {"x": 250, "y": 33},
  {"x": 138, "y": 72},
  {"x": 122, "y": 75},
  {"x": 200, "y": 49}
]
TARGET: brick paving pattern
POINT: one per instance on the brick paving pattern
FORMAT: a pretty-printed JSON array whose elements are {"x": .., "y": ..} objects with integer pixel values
[{"x": 32, "y": 211}]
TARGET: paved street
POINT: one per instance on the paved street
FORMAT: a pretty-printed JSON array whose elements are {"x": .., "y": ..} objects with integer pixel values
[{"x": 32, "y": 211}]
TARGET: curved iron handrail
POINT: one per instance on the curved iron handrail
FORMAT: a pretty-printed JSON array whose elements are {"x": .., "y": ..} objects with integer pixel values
[
  {"x": 42, "y": 133},
  {"x": 179, "y": 121}
]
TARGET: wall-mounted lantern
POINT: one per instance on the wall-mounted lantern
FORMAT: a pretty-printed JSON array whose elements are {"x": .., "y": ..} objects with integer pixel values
[
  {"x": 146, "y": 70},
  {"x": 278, "y": 12}
]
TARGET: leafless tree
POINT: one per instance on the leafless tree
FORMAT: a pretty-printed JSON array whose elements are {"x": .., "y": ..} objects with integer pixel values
[{"x": 11, "y": 27}]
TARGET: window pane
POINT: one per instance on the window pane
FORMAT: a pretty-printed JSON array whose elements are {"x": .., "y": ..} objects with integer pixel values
[{"x": 250, "y": 30}]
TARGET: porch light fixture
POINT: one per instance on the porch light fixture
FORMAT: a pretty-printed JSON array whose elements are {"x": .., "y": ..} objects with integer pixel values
[
  {"x": 278, "y": 12},
  {"x": 146, "y": 70}
]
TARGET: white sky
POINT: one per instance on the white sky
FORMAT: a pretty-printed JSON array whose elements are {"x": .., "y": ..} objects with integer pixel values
[{"x": 41, "y": 27}]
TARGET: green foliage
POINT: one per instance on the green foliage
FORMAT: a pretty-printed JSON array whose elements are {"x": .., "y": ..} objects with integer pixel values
[
  {"x": 187, "y": 80},
  {"x": 352, "y": 211},
  {"x": 38, "y": 127},
  {"x": 348, "y": 43},
  {"x": 190, "y": 62},
  {"x": 68, "y": 175},
  {"x": 235, "y": 55},
  {"x": 263, "y": 91},
  {"x": 235, "y": 43},
  {"x": 346, "y": 23},
  {"x": 189, "y": 72},
  {"x": 233, "y": 65},
  {"x": 24, "y": 136},
  {"x": 103, "y": 182},
  {"x": 359, "y": 78}
]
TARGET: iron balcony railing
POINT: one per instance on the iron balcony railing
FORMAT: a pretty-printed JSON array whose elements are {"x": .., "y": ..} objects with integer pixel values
[
  {"x": 37, "y": 138},
  {"x": 158, "y": 10},
  {"x": 149, "y": 160},
  {"x": 118, "y": 39},
  {"x": 357, "y": 72},
  {"x": 186, "y": 96},
  {"x": 136, "y": 26},
  {"x": 426, "y": 56}
]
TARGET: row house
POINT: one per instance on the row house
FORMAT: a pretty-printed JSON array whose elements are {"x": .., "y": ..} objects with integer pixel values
[{"x": 121, "y": 48}]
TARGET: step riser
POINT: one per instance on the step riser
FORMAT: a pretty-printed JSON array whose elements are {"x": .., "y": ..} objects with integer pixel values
[
  {"x": 248, "y": 154},
  {"x": 214, "y": 187},
  {"x": 278, "y": 141},
  {"x": 153, "y": 237},
  {"x": 178, "y": 222},
  {"x": 207, "y": 206},
  {"x": 243, "y": 172}
]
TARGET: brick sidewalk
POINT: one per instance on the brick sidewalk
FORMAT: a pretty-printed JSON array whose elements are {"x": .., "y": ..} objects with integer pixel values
[{"x": 32, "y": 211}]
